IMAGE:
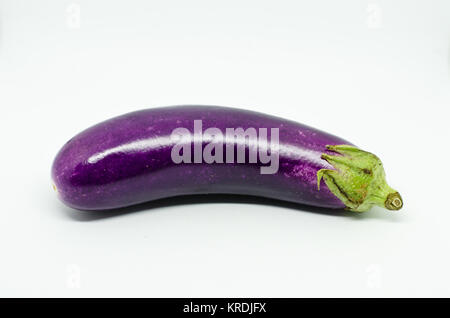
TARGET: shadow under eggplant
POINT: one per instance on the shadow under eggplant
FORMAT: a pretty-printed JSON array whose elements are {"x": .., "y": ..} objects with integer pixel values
[{"x": 80, "y": 215}]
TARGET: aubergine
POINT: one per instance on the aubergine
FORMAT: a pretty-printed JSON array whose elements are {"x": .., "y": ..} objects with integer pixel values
[{"x": 186, "y": 150}]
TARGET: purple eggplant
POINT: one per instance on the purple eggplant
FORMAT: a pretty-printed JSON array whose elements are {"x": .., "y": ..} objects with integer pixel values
[{"x": 182, "y": 150}]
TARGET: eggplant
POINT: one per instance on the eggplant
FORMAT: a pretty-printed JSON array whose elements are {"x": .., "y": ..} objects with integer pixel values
[{"x": 184, "y": 150}]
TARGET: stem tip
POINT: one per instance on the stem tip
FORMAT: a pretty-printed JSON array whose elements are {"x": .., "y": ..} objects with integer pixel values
[{"x": 394, "y": 201}]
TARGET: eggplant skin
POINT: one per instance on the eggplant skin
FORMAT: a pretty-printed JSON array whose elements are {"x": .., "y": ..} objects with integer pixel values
[{"x": 127, "y": 160}]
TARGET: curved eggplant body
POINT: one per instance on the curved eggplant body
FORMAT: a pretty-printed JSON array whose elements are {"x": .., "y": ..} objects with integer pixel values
[{"x": 129, "y": 160}]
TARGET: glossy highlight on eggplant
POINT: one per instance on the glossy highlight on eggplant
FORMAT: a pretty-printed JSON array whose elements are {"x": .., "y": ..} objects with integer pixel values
[{"x": 128, "y": 160}]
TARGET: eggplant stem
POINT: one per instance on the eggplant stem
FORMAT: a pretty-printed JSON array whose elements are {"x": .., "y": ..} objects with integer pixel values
[{"x": 358, "y": 180}]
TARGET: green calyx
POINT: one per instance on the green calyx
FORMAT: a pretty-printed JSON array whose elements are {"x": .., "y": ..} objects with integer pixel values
[{"x": 359, "y": 179}]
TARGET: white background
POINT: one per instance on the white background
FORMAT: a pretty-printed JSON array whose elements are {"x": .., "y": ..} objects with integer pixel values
[{"x": 373, "y": 72}]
